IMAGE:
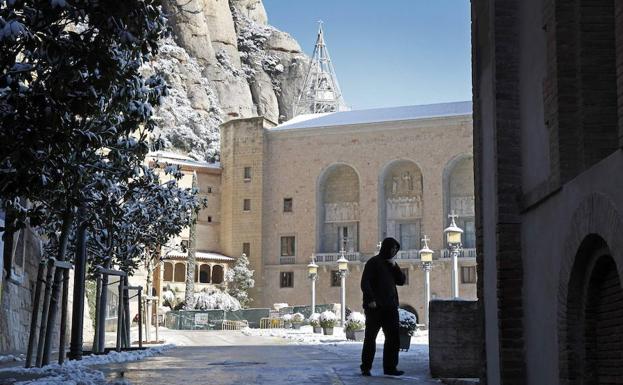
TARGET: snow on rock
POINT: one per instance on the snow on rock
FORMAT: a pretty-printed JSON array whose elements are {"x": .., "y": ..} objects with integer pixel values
[
  {"x": 188, "y": 119},
  {"x": 79, "y": 372}
]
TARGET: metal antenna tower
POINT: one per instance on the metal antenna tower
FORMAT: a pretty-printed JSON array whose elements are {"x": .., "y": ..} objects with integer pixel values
[{"x": 321, "y": 92}]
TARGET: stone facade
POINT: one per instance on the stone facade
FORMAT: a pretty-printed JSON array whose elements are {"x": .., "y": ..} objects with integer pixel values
[
  {"x": 366, "y": 178},
  {"x": 547, "y": 129}
]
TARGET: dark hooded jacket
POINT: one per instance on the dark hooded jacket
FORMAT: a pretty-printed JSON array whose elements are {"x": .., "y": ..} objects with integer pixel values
[{"x": 380, "y": 277}]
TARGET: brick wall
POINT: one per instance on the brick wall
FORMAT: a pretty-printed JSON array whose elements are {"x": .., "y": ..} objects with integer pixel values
[{"x": 455, "y": 339}]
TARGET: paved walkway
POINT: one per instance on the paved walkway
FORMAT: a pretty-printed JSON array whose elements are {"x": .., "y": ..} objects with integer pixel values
[{"x": 220, "y": 358}]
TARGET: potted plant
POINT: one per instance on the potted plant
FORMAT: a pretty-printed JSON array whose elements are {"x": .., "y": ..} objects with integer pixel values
[
  {"x": 314, "y": 321},
  {"x": 408, "y": 325},
  {"x": 355, "y": 326},
  {"x": 328, "y": 319},
  {"x": 297, "y": 320},
  {"x": 287, "y": 321}
]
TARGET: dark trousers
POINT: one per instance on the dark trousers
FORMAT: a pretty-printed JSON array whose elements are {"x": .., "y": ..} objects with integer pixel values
[{"x": 386, "y": 318}]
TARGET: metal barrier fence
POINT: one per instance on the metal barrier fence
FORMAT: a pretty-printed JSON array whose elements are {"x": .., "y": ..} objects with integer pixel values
[
  {"x": 271, "y": 323},
  {"x": 234, "y": 325}
]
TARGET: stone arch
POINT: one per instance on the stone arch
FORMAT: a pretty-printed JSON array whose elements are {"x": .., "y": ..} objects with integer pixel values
[
  {"x": 167, "y": 275},
  {"x": 458, "y": 196},
  {"x": 218, "y": 274},
  {"x": 590, "y": 280},
  {"x": 338, "y": 194},
  {"x": 401, "y": 203},
  {"x": 179, "y": 275},
  {"x": 204, "y": 273}
]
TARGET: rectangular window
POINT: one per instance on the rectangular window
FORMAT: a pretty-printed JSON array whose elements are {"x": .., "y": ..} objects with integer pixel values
[
  {"x": 409, "y": 234},
  {"x": 287, "y": 205},
  {"x": 286, "y": 279},
  {"x": 209, "y": 190},
  {"x": 405, "y": 271},
  {"x": 468, "y": 274},
  {"x": 246, "y": 249},
  {"x": 209, "y": 219},
  {"x": 336, "y": 281},
  {"x": 246, "y": 205},
  {"x": 247, "y": 173},
  {"x": 288, "y": 246}
]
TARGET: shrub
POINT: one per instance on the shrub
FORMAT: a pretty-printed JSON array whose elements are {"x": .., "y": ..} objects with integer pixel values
[
  {"x": 298, "y": 318},
  {"x": 314, "y": 320},
  {"x": 355, "y": 321},
  {"x": 407, "y": 321},
  {"x": 287, "y": 317},
  {"x": 328, "y": 319}
]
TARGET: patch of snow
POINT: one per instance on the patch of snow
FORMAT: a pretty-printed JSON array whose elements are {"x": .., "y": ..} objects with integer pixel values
[{"x": 79, "y": 372}]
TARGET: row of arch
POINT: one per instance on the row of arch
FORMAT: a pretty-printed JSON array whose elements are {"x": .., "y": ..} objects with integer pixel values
[
  {"x": 400, "y": 202},
  {"x": 204, "y": 272}
]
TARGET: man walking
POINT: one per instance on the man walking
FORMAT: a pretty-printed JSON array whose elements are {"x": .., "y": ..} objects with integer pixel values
[{"x": 380, "y": 303}]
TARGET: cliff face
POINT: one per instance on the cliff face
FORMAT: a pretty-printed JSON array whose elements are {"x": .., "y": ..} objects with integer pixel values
[{"x": 224, "y": 62}]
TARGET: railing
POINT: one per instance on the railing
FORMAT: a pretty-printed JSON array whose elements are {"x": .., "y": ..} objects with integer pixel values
[
  {"x": 463, "y": 253},
  {"x": 408, "y": 254},
  {"x": 352, "y": 256},
  {"x": 271, "y": 323},
  {"x": 286, "y": 260},
  {"x": 235, "y": 325}
]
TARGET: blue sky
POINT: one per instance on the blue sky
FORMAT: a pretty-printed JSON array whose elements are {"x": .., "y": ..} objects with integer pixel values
[{"x": 387, "y": 53}]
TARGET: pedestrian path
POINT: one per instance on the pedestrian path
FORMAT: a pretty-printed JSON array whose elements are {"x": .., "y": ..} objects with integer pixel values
[{"x": 223, "y": 358}]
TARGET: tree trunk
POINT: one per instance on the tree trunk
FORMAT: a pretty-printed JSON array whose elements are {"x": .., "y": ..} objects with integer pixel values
[
  {"x": 53, "y": 292},
  {"x": 77, "y": 316},
  {"x": 126, "y": 309},
  {"x": 189, "y": 295}
]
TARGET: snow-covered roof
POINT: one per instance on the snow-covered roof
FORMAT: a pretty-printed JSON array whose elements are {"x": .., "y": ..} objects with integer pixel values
[
  {"x": 202, "y": 255},
  {"x": 377, "y": 115},
  {"x": 179, "y": 159}
]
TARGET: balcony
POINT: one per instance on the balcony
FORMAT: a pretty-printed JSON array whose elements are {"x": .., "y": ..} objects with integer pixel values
[
  {"x": 325, "y": 258},
  {"x": 287, "y": 260},
  {"x": 408, "y": 254},
  {"x": 463, "y": 253}
]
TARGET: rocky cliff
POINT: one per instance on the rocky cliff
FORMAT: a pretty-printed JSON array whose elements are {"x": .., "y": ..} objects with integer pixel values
[{"x": 223, "y": 62}]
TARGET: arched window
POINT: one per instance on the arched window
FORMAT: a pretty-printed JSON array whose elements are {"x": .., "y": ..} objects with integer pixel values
[
  {"x": 180, "y": 272},
  {"x": 458, "y": 185},
  {"x": 338, "y": 209},
  {"x": 204, "y": 274},
  {"x": 401, "y": 203},
  {"x": 168, "y": 272},
  {"x": 217, "y": 274}
]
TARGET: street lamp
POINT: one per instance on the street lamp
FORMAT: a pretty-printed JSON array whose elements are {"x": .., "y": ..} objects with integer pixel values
[
  {"x": 342, "y": 268},
  {"x": 426, "y": 257},
  {"x": 312, "y": 273},
  {"x": 453, "y": 237}
]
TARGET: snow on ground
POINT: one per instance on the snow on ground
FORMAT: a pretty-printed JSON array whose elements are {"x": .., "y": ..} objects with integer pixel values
[
  {"x": 11, "y": 358},
  {"x": 305, "y": 335},
  {"x": 79, "y": 372}
]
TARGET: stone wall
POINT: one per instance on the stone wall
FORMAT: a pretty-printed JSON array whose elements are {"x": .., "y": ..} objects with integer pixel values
[
  {"x": 454, "y": 339},
  {"x": 17, "y": 296}
]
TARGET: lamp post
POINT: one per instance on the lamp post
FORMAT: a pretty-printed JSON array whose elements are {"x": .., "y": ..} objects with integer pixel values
[
  {"x": 342, "y": 268},
  {"x": 453, "y": 237},
  {"x": 426, "y": 257},
  {"x": 312, "y": 273}
]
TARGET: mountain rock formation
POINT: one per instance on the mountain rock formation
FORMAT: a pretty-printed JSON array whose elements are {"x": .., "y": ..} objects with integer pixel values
[{"x": 223, "y": 62}]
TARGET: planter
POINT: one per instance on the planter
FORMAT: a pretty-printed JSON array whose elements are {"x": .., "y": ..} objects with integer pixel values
[
  {"x": 287, "y": 325},
  {"x": 405, "y": 339},
  {"x": 327, "y": 331},
  {"x": 296, "y": 325},
  {"x": 317, "y": 329},
  {"x": 355, "y": 335}
]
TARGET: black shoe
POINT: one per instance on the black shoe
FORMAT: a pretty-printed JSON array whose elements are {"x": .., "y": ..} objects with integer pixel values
[
  {"x": 394, "y": 372},
  {"x": 366, "y": 373}
]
